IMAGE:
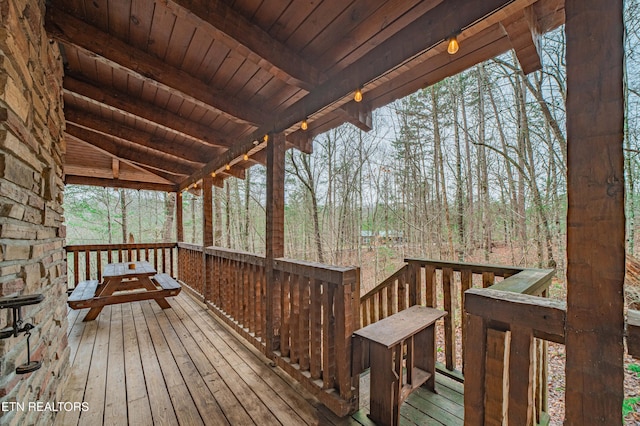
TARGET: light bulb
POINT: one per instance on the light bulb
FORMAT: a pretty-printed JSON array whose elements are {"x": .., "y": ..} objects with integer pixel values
[
  {"x": 265, "y": 138},
  {"x": 227, "y": 167},
  {"x": 358, "y": 95},
  {"x": 304, "y": 125},
  {"x": 453, "y": 45},
  {"x": 245, "y": 157},
  {"x": 213, "y": 174}
]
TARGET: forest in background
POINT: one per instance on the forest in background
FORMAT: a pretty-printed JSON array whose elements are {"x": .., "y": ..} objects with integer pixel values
[{"x": 472, "y": 168}]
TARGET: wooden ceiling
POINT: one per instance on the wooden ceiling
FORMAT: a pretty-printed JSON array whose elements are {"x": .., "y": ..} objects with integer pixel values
[{"x": 160, "y": 93}]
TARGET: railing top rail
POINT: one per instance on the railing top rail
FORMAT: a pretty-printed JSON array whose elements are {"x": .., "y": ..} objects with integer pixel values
[
  {"x": 314, "y": 270},
  {"x": 529, "y": 281},
  {"x": 476, "y": 268},
  {"x": 95, "y": 247},
  {"x": 546, "y": 317},
  {"x": 236, "y": 255},
  {"x": 189, "y": 246},
  {"x": 384, "y": 283}
]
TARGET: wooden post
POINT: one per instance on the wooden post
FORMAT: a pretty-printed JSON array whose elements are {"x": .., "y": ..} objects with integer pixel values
[
  {"x": 595, "y": 219},
  {"x": 274, "y": 234},
  {"x": 207, "y": 234},
  {"x": 179, "y": 226}
]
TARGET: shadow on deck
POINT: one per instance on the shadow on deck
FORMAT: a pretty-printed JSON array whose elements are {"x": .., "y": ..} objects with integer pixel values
[{"x": 138, "y": 364}]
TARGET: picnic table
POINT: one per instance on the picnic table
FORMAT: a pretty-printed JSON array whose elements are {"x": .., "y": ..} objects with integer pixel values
[{"x": 123, "y": 282}]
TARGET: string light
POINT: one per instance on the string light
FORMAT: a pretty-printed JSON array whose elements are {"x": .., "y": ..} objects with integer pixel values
[
  {"x": 304, "y": 125},
  {"x": 358, "y": 95},
  {"x": 453, "y": 45},
  {"x": 245, "y": 157},
  {"x": 227, "y": 167},
  {"x": 265, "y": 138},
  {"x": 213, "y": 174}
]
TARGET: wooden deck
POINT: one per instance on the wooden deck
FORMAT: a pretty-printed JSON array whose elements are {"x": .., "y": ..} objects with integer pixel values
[{"x": 138, "y": 364}]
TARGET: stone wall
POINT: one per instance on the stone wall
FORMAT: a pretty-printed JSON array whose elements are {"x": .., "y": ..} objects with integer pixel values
[{"x": 31, "y": 230}]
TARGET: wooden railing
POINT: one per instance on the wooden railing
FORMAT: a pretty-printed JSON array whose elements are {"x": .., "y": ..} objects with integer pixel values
[
  {"x": 509, "y": 388},
  {"x": 444, "y": 285},
  {"x": 86, "y": 261},
  {"x": 315, "y": 312}
]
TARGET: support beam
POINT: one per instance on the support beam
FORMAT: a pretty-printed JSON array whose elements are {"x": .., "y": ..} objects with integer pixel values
[
  {"x": 71, "y": 31},
  {"x": 237, "y": 32},
  {"x": 115, "y": 167},
  {"x": 522, "y": 30},
  {"x": 118, "y": 183},
  {"x": 274, "y": 234},
  {"x": 126, "y": 104},
  {"x": 595, "y": 216},
  {"x": 179, "y": 220}
]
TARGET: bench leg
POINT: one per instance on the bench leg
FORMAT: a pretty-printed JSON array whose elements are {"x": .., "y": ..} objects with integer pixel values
[
  {"x": 150, "y": 286},
  {"x": 384, "y": 386},
  {"x": 425, "y": 359},
  {"x": 93, "y": 313}
]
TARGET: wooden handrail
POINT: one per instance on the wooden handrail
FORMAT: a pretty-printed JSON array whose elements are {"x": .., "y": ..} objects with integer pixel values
[
  {"x": 315, "y": 313},
  {"x": 94, "y": 256},
  {"x": 431, "y": 283},
  {"x": 531, "y": 321}
]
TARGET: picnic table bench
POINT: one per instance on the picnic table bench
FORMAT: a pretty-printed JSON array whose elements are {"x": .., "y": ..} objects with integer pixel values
[
  {"x": 123, "y": 282},
  {"x": 381, "y": 346}
]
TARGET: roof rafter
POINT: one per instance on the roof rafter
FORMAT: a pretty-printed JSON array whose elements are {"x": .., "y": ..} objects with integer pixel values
[
  {"x": 137, "y": 137},
  {"x": 130, "y": 152},
  {"x": 71, "y": 31},
  {"x": 126, "y": 104}
]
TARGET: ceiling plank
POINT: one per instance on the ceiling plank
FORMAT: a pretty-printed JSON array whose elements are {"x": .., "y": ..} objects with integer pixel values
[
  {"x": 117, "y": 183},
  {"x": 242, "y": 36},
  {"x": 138, "y": 137},
  {"x": 126, "y": 104},
  {"x": 132, "y": 153},
  {"x": 425, "y": 32},
  {"x": 101, "y": 46}
]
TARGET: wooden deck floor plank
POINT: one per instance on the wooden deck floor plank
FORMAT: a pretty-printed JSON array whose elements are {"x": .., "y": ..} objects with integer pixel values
[
  {"x": 75, "y": 331},
  {"x": 97, "y": 379},
  {"x": 431, "y": 409},
  {"x": 115, "y": 406},
  {"x": 203, "y": 398},
  {"x": 220, "y": 336},
  {"x": 183, "y": 405},
  {"x": 411, "y": 414},
  {"x": 203, "y": 334},
  {"x": 175, "y": 362},
  {"x": 292, "y": 393},
  {"x": 138, "y": 406},
  {"x": 83, "y": 340},
  {"x": 229, "y": 403},
  {"x": 159, "y": 399}
]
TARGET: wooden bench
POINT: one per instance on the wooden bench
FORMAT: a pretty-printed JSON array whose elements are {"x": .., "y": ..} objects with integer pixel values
[
  {"x": 381, "y": 346},
  {"x": 167, "y": 282},
  {"x": 84, "y": 295}
]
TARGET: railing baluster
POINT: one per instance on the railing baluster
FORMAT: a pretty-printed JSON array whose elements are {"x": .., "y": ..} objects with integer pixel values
[
  {"x": 449, "y": 326},
  {"x": 316, "y": 329},
  {"x": 303, "y": 337}
]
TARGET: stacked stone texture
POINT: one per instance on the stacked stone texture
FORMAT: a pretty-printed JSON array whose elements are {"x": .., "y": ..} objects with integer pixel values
[{"x": 32, "y": 257}]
